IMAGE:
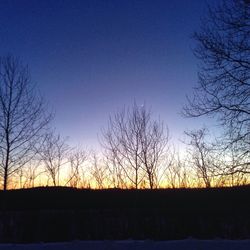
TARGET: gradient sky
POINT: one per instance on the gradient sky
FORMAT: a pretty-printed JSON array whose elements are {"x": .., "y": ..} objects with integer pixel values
[{"x": 90, "y": 58}]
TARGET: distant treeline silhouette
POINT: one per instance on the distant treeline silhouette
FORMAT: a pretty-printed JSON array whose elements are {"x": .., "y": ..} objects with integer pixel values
[{"x": 137, "y": 151}]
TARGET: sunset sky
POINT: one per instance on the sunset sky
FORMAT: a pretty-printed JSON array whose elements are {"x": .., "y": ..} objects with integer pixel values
[{"x": 90, "y": 58}]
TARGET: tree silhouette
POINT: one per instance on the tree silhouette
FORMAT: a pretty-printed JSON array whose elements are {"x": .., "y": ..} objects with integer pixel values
[
  {"x": 22, "y": 118},
  {"x": 223, "y": 49},
  {"x": 53, "y": 154},
  {"x": 201, "y": 155},
  {"x": 136, "y": 144}
]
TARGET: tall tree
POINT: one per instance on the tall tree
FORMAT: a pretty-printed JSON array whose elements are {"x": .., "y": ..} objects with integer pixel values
[
  {"x": 136, "y": 143},
  {"x": 22, "y": 118},
  {"x": 201, "y": 155},
  {"x": 98, "y": 171},
  {"x": 223, "y": 49},
  {"x": 54, "y": 154},
  {"x": 77, "y": 159},
  {"x": 153, "y": 139}
]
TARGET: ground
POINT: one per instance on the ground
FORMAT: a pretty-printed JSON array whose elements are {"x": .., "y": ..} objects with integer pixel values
[{"x": 189, "y": 244}]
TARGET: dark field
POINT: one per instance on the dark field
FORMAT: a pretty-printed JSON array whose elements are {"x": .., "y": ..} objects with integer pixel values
[{"x": 64, "y": 214}]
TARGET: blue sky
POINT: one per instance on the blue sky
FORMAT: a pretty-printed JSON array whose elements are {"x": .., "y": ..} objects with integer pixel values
[{"x": 90, "y": 58}]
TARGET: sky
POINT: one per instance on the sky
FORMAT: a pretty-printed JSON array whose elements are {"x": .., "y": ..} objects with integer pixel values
[{"x": 91, "y": 58}]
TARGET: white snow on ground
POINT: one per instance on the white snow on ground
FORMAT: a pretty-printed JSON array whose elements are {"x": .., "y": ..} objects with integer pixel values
[{"x": 188, "y": 244}]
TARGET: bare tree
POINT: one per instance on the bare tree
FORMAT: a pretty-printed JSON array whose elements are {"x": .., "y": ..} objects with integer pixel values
[
  {"x": 200, "y": 154},
  {"x": 153, "y": 139},
  {"x": 76, "y": 160},
  {"x": 223, "y": 48},
  {"x": 115, "y": 175},
  {"x": 176, "y": 174},
  {"x": 226, "y": 167},
  {"x": 136, "y": 143},
  {"x": 31, "y": 172},
  {"x": 53, "y": 154},
  {"x": 98, "y": 171},
  {"x": 22, "y": 118}
]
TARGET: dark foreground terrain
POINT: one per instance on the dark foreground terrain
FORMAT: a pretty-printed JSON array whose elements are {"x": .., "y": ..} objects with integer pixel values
[
  {"x": 188, "y": 244},
  {"x": 66, "y": 214}
]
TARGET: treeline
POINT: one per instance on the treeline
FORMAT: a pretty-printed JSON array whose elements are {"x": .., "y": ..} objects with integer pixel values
[
  {"x": 57, "y": 164},
  {"x": 137, "y": 150}
]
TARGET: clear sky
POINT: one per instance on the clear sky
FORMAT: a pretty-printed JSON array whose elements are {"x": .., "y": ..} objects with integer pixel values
[{"x": 89, "y": 58}]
